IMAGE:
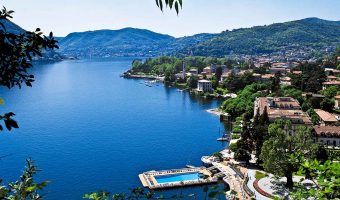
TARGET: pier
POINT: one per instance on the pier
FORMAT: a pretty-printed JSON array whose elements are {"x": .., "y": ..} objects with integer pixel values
[{"x": 149, "y": 179}]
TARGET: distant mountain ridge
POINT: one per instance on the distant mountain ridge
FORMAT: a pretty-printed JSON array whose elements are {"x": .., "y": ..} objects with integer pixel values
[
  {"x": 305, "y": 36},
  {"x": 48, "y": 56},
  {"x": 11, "y": 27},
  {"x": 125, "y": 42},
  {"x": 274, "y": 38}
]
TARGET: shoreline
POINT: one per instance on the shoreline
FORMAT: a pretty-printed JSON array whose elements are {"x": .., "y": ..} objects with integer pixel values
[{"x": 215, "y": 111}]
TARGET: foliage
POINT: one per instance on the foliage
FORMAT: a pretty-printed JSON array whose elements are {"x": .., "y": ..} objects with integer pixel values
[
  {"x": 235, "y": 136},
  {"x": 262, "y": 69},
  {"x": 306, "y": 106},
  {"x": 259, "y": 175},
  {"x": 327, "y": 104},
  {"x": 334, "y": 154},
  {"x": 259, "y": 133},
  {"x": 330, "y": 92},
  {"x": 25, "y": 188},
  {"x": 177, "y": 4},
  {"x": 313, "y": 33},
  {"x": 237, "y": 129},
  {"x": 287, "y": 91},
  {"x": 16, "y": 52},
  {"x": 314, "y": 117},
  {"x": 245, "y": 144},
  {"x": 218, "y": 155},
  {"x": 140, "y": 193},
  {"x": 244, "y": 102},
  {"x": 313, "y": 75},
  {"x": 326, "y": 177},
  {"x": 281, "y": 153},
  {"x": 192, "y": 82},
  {"x": 233, "y": 147},
  {"x": 219, "y": 72},
  {"x": 235, "y": 83},
  {"x": 17, "y": 48}
]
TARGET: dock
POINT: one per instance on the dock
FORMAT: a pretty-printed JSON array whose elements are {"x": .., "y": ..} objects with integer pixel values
[{"x": 149, "y": 179}]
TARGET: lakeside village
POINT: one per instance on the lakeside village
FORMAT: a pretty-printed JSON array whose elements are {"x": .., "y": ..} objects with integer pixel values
[{"x": 285, "y": 141}]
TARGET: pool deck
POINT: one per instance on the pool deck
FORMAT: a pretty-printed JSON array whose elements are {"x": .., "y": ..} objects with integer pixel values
[{"x": 149, "y": 181}]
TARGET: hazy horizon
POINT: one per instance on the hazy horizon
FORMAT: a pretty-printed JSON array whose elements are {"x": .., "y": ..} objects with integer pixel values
[{"x": 197, "y": 16}]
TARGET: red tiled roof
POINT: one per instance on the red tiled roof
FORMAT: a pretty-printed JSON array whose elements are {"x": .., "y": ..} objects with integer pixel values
[
  {"x": 331, "y": 83},
  {"x": 327, "y": 130},
  {"x": 326, "y": 116}
]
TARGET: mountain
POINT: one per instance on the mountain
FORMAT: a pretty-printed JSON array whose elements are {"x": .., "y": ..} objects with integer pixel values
[
  {"x": 47, "y": 55},
  {"x": 11, "y": 27},
  {"x": 308, "y": 36},
  {"x": 277, "y": 38},
  {"x": 183, "y": 42},
  {"x": 123, "y": 42},
  {"x": 126, "y": 42}
]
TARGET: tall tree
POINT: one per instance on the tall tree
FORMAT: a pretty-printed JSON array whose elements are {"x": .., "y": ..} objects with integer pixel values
[
  {"x": 327, "y": 105},
  {"x": 282, "y": 152},
  {"x": 259, "y": 133},
  {"x": 218, "y": 73},
  {"x": 326, "y": 177},
  {"x": 16, "y": 52}
]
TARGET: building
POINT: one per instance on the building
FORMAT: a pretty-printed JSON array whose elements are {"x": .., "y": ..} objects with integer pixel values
[
  {"x": 327, "y": 84},
  {"x": 331, "y": 71},
  {"x": 267, "y": 77},
  {"x": 310, "y": 95},
  {"x": 286, "y": 108},
  {"x": 332, "y": 78},
  {"x": 207, "y": 70},
  {"x": 326, "y": 117},
  {"x": 327, "y": 135},
  {"x": 193, "y": 71},
  {"x": 337, "y": 102},
  {"x": 297, "y": 72},
  {"x": 282, "y": 70},
  {"x": 225, "y": 76},
  {"x": 204, "y": 86},
  {"x": 285, "y": 80},
  {"x": 257, "y": 77},
  {"x": 281, "y": 65}
]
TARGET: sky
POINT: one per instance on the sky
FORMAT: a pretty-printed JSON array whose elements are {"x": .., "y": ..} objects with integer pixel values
[{"x": 197, "y": 16}]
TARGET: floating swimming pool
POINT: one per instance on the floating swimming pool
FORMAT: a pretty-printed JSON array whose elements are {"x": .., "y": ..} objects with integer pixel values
[{"x": 178, "y": 178}]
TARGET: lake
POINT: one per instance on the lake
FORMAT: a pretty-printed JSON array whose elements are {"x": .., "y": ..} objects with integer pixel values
[{"x": 89, "y": 129}]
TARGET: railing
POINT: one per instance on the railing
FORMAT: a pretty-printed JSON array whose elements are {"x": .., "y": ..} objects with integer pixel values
[
  {"x": 238, "y": 172},
  {"x": 246, "y": 188}
]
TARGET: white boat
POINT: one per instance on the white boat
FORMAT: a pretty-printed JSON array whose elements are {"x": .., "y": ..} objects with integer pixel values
[
  {"x": 190, "y": 166},
  {"x": 225, "y": 137},
  {"x": 222, "y": 139}
]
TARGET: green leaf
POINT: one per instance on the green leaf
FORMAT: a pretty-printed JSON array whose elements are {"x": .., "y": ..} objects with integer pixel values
[
  {"x": 161, "y": 4},
  {"x": 176, "y": 7}
]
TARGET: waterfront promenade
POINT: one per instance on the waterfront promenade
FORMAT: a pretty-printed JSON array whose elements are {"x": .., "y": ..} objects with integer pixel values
[{"x": 232, "y": 179}]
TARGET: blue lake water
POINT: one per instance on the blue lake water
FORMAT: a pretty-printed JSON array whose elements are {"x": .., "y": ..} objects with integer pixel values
[{"x": 89, "y": 129}]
